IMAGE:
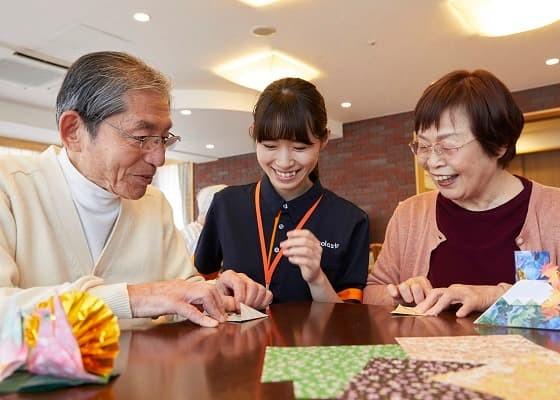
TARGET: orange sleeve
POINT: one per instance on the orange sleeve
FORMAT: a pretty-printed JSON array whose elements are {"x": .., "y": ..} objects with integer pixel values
[{"x": 351, "y": 295}]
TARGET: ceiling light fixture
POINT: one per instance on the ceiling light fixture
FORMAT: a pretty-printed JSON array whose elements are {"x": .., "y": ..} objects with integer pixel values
[
  {"x": 552, "y": 61},
  {"x": 346, "y": 104},
  {"x": 185, "y": 112},
  {"x": 263, "y": 30},
  {"x": 258, "y": 3},
  {"x": 506, "y": 17},
  {"x": 141, "y": 17},
  {"x": 210, "y": 146},
  {"x": 258, "y": 70}
]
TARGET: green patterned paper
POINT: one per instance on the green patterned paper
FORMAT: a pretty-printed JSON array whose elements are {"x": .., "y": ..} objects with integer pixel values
[{"x": 321, "y": 372}]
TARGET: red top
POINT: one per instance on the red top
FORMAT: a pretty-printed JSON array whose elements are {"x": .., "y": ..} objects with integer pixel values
[{"x": 480, "y": 244}]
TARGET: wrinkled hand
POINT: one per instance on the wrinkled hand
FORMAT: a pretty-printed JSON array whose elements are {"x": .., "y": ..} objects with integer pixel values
[
  {"x": 244, "y": 290},
  {"x": 304, "y": 250},
  {"x": 413, "y": 290},
  {"x": 177, "y": 297},
  {"x": 472, "y": 298}
]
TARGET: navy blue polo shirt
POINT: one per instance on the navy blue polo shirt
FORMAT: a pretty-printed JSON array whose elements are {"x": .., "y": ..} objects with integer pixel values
[{"x": 230, "y": 236}]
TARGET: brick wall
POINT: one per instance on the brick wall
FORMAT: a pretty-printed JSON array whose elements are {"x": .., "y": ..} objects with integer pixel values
[{"x": 370, "y": 166}]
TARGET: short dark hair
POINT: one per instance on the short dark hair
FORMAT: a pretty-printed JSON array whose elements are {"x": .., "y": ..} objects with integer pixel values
[
  {"x": 495, "y": 119},
  {"x": 96, "y": 84}
]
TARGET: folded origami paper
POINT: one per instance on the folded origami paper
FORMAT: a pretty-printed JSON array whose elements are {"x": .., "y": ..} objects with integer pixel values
[{"x": 524, "y": 305}]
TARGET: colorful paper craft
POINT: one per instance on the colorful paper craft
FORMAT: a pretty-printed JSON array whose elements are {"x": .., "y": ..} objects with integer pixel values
[
  {"x": 528, "y": 264},
  {"x": 404, "y": 310},
  {"x": 321, "y": 372},
  {"x": 475, "y": 349},
  {"x": 522, "y": 306},
  {"x": 408, "y": 379},
  {"x": 530, "y": 378}
]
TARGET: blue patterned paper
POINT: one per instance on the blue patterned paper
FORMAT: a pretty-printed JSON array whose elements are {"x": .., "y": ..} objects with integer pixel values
[
  {"x": 528, "y": 264},
  {"x": 516, "y": 315}
]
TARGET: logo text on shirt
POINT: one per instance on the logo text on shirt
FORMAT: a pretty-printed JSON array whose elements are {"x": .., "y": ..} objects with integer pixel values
[{"x": 329, "y": 245}]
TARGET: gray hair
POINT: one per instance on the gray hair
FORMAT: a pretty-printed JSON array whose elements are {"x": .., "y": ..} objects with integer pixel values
[{"x": 96, "y": 84}]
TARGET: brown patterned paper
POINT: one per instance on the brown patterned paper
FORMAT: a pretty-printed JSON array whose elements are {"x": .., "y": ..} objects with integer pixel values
[
  {"x": 533, "y": 378},
  {"x": 395, "y": 379},
  {"x": 506, "y": 349}
]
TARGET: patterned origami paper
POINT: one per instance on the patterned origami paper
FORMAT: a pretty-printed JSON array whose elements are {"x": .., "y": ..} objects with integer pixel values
[
  {"x": 56, "y": 351},
  {"x": 529, "y": 378},
  {"x": 408, "y": 379},
  {"x": 528, "y": 264},
  {"x": 524, "y": 305},
  {"x": 505, "y": 349},
  {"x": 321, "y": 372},
  {"x": 13, "y": 351}
]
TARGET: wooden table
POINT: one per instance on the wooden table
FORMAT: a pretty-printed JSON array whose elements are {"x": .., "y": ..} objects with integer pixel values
[{"x": 182, "y": 361}]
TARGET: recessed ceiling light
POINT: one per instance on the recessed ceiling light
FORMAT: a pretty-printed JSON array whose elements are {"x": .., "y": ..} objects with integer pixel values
[
  {"x": 346, "y": 104},
  {"x": 262, "y": 30},
  {"x": 210, "y": 146},
  {"x": 141, "y": 17},
  {"x": 256, "y": 71},
  {"x": 552, "y": 61},
  {"x": 185, "y": 112},
  {"x": 258, "y": 3},
  {"x": 505, "y": 17}
]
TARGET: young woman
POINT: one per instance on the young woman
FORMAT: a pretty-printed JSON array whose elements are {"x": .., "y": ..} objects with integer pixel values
[{"x": 286, "y": 231}]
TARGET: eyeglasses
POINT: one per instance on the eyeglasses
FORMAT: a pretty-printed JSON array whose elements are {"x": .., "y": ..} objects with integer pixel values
[
  {"x": 149, "y": 142},
  {"x": 423, "y": 151}
]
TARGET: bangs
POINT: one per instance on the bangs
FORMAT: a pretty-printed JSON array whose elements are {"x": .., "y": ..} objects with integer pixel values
[
  {"x": 435, "y": 101},
  {"x": 283, "y": 118}
]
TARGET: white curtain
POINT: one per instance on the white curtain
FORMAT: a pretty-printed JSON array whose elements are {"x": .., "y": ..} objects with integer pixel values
[{"x": 175, "y": 181}]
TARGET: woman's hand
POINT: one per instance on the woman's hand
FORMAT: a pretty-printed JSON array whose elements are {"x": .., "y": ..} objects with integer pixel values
[
  {"x": 472, "y": 298},
  {"x": 413, "y": 290},
  {"x": 304, "y": 250}
]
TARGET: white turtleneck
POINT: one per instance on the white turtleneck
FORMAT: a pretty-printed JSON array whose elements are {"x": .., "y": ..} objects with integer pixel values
[{"x": 97, "y": 208}]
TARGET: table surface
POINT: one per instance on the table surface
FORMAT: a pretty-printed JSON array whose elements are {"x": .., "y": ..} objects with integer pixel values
[{"x": 183, "y": 361}]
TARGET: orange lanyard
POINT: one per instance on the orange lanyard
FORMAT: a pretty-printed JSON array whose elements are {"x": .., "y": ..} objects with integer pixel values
[{"x": 269, "y": 267}]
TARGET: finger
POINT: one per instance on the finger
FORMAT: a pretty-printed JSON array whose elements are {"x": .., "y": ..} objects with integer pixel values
[
  {"x": 426, "y": 284},
  {"x": 296, "y": 233},
  {"x": 405, "y": 292},
  {"x": 231, "y": 304},
  {"x": 289, "y": 244},
  {"x": 239, "y": 288},
  {"x": 215, "y": 308},
  {"x": 305, "y": 251},
  {"x": 430, "y": 300},
  {"x": 393, "y": 291},
  {"x": 259, "y": 297},
  {"x": 267, "y": 299},
  {"x": 443, "y": 302},
  {"x": 465, "y": 309},
  {"x": 251, "y": 293},
  {"x": 192, "y": 314},
  {"x": 417, "y": 293}
]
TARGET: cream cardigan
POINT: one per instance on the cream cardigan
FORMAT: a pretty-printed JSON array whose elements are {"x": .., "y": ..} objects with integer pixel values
[
  {"x": 412, "y": 234},
  {"x": 43, "y": 248}
]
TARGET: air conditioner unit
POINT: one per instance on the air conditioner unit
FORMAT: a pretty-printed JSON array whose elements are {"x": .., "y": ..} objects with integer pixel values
[{"x": 28, "y": 69}]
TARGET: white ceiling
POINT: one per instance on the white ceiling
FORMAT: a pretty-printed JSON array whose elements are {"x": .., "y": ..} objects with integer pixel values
[{"x": 416, "y": 41}]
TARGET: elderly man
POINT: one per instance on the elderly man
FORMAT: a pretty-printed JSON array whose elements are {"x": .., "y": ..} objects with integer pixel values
[{"x": 84, "y": 218}]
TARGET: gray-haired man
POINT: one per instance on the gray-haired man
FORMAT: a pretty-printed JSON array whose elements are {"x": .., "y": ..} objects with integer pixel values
[{"x": 84, "y": 218}]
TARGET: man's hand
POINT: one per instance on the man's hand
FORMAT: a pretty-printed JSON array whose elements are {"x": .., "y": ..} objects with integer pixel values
[
  {"x": 413, "y": 290},
  {"x": 177, "y": 297},
  {"x": 243, "y": 289},
  {"x": 472, "y": 298}
]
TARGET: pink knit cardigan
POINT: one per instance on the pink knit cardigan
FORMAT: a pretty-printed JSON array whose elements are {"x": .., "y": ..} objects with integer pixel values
[{"x": 412, "y": 234}]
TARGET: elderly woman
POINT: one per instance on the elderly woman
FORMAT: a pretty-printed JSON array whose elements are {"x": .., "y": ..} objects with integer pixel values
[{"x": 455, "y": 245}]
